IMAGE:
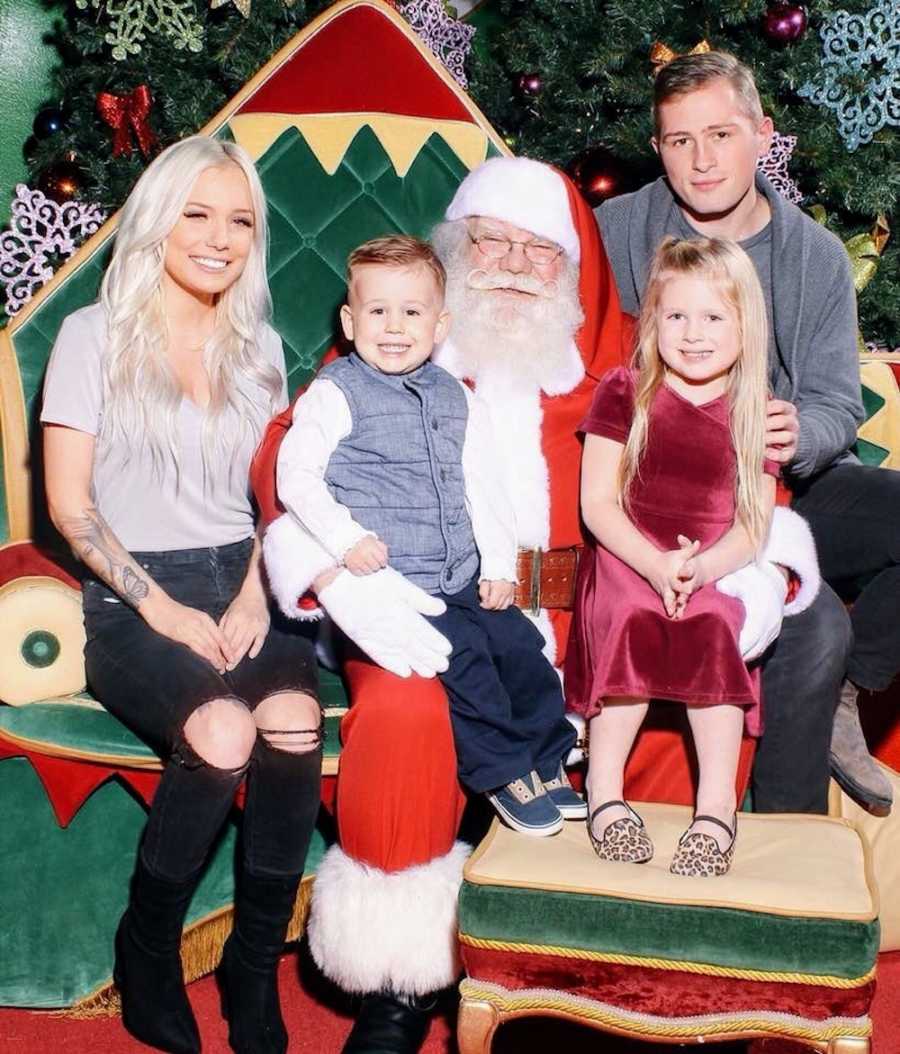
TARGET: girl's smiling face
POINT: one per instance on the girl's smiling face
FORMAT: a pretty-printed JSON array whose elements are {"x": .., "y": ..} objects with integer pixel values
[{"x": 699, "y": 335}]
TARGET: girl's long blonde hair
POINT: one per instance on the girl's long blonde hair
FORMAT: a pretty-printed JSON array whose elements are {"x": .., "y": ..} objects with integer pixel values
[
  {"x": 141, "y": 393},
  {"x": 728, "y": 266}
]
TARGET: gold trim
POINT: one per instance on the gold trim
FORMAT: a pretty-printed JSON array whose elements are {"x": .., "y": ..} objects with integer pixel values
[
  {"x": 704, "y": 969},
  {"x": 13, "y": 423},
  {"x": 201, "y": 951},
  {"x": 722, "y": 1026},
  {"x": 329, "y": 136},
  {"x": 14, "y": 440},
  {"x": 330, "y": 765}
]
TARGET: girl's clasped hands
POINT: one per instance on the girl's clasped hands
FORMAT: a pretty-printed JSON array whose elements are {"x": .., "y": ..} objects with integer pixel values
[{"x": 677, "y": 574}]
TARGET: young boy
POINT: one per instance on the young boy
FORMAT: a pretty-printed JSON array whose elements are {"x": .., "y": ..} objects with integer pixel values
[{"x": 389, "y": 461}]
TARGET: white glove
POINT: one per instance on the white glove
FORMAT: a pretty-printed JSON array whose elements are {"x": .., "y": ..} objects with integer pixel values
[
  {"x": 383, "y": 614},
  {"x": 761, "y": 588}
]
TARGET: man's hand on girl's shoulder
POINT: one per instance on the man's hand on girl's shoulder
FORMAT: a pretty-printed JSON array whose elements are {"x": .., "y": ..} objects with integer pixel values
[{"x": 782, "y": 431}]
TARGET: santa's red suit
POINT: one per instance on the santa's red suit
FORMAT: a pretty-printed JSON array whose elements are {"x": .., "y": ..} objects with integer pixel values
[{"x": 383, "y": 915}]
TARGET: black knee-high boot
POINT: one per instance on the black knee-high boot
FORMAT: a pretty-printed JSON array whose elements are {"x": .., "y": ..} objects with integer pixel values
[
  {"x": 249, "y": 971},
  {"x": 155, "y": 1007}
]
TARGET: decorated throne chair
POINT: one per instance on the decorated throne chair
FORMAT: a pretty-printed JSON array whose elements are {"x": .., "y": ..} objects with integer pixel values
[
  {"x": 357, "y": 130},
  {"x": 344, "y": 155}
]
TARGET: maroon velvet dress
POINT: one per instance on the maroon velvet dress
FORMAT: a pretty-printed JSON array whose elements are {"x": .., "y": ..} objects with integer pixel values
[{"x": 622, "y": 643}]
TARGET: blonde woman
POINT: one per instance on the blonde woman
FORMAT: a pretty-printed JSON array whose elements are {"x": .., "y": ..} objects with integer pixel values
[
  {"x": 676, "y": 492},
  {"x": 154, "y": 400}
]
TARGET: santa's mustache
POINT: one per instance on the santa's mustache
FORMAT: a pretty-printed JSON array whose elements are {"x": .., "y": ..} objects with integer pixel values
[{"x": 519, "y": 283}]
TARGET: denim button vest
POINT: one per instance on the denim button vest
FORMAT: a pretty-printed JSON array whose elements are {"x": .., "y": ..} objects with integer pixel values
[{"x": 399, "y": 472}]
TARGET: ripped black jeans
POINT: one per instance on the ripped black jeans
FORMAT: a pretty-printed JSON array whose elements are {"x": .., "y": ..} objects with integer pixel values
[{"x": 153, "y": 684}]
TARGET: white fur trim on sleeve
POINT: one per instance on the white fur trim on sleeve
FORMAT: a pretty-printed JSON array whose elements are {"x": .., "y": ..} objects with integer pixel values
[
  {"x": 293, "y": 559},
  {"x": 790, "y": 543},
  {"x": 371, "y": 930}
]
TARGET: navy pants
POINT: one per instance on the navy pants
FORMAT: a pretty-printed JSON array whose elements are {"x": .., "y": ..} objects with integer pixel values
[{"x": 506, "y": 702}]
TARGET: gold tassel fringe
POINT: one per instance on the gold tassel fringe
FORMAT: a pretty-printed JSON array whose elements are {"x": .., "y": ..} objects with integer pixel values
[{"x": 201, "y": 952}]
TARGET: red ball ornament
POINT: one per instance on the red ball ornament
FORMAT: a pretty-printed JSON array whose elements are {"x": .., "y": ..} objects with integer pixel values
[
  {"x": 784, "y": 23},
  {"x": 61, "y": 181},
  {"x": 599, "y": 175},
  {"x": 531, "y": 84}
]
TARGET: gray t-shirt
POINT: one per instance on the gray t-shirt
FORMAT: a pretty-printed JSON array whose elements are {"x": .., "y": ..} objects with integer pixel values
[
  {"x": 148, "y": 509},
  {"x": 759, "y": 249}
]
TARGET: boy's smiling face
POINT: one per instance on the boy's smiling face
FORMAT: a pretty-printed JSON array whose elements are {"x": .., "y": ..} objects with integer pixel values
[{"x": 394, "y": 316}]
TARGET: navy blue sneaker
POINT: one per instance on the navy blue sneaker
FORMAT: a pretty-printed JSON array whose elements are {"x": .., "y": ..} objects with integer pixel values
[
  {"x": 524, "y": 805},
  {"x": 570, "y": 803}
]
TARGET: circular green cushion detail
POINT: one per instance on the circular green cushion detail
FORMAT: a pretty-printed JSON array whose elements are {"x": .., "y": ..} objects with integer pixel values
[{"x": 40, "y": 648}]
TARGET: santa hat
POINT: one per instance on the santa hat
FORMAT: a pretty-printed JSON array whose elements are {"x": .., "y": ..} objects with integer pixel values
[
  {"x": 540, "y": 198},
  {"x": 527, "y": 194}
]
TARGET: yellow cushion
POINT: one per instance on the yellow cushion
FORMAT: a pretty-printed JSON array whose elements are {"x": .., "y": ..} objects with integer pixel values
[
  {"x": 42, "y": 642},
  {"x": 801, "y": 866},
  {"x": 883, "y": 836}
]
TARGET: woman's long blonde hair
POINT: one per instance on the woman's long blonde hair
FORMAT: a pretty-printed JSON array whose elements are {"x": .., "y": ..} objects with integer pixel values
[
  {"x": 141, "y": 393},
  {"x": 726, "y": 265}
]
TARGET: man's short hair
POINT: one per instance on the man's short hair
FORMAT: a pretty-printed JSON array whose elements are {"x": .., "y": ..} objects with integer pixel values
[
  {"x": 398, "y": 250},
  {"x": 688, "y": 73}
]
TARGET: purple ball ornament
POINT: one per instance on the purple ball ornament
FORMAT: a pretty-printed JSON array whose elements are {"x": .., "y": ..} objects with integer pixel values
[
  {"x": 784, "y": 23},
  {"x": 531, "y": 84}
]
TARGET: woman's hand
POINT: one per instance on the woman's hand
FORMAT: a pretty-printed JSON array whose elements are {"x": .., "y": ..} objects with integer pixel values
[
  {"x": 244, "y": 626},
  {"x": 195, "y": 629}
]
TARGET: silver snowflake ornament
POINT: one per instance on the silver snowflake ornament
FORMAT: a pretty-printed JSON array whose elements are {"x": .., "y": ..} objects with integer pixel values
[
  {"x": 860, "y": 76},
  {"x": 448, "y": 38},
  {"x": 39, "y": 230},
  {"x": 774, "y": 166}
]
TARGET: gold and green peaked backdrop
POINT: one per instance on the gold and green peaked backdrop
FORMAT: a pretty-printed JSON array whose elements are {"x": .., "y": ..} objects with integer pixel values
[{"x": 357, "y": 130}]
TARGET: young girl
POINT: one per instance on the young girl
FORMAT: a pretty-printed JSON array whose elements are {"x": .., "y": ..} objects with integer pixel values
[{"x": 676, "y": 492}]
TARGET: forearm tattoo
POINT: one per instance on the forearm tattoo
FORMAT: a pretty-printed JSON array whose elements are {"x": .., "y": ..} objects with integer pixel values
[{"x": 94, "y": 543}]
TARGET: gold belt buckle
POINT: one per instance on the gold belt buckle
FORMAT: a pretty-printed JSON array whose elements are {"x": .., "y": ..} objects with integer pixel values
[{"x": 536, "y": 558}]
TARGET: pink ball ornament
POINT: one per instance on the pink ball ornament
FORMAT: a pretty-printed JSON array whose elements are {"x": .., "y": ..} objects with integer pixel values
[
  {"x": 784, "y": 23},
  {"x": 531, "y": 84}
]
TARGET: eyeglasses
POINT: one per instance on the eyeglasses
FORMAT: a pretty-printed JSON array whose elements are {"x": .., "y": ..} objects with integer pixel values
[{"x": 494, "y": 247}]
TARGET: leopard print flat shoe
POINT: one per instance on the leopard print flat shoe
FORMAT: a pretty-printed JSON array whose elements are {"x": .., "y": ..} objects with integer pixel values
[
  {"x": 625, "y": 840},
  {"x": 699, "y": 855}
]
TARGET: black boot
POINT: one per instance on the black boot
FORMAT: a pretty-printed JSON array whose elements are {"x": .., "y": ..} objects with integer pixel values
[
  {"x": 249, "y": 970},
  {"x": 390, "y": 1024},
  {"x": 147, "y": 971}
]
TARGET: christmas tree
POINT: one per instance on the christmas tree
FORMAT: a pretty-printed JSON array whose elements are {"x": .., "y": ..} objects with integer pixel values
[{"x": 569, "y": 81}]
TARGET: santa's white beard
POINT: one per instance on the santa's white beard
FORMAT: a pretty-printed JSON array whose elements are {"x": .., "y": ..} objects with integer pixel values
[{"x": 523, "y": 340}]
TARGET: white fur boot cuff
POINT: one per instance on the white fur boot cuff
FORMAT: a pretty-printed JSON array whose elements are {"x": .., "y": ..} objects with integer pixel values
[{"x": 371, "y": 930}]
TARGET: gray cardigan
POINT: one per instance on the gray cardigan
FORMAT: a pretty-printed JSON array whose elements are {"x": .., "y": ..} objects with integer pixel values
[{"x": 814, "y": 307}]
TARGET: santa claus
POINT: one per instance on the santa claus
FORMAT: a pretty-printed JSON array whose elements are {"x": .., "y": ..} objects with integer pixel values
[{"x": 534, "y": 337}]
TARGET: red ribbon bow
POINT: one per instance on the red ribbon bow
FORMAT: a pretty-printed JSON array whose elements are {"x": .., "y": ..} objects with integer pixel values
[{"x": 122, "y": 112}]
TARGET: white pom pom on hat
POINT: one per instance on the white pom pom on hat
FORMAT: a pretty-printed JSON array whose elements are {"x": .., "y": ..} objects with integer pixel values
[{"x": 525, "y": 193}]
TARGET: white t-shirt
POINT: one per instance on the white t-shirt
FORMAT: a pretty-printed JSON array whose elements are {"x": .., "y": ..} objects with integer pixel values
[{"x": 149, "y": 510}]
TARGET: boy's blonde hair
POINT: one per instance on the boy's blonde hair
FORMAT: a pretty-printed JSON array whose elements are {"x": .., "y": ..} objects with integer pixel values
[
  {"x": 689, "y": 73},
  {"x": 725, "y": 264},
  {"x": 398, "y": 250}
]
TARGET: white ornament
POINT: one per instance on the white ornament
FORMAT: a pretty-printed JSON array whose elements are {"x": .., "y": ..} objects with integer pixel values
[
  {"x": 448, "y": 38},
  {"x": 39, "y": 230},
  {"x": 774, "y": 166}
]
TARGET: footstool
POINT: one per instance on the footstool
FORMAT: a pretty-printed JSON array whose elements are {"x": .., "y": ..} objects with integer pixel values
[{"x": 782, "y": 946}]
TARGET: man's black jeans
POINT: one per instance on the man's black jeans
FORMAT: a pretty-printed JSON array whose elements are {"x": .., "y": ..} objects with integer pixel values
[{"x": 854, "y": 513}]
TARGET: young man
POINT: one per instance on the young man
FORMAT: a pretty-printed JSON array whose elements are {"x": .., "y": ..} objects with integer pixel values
[{"x": 709, "y": 132}]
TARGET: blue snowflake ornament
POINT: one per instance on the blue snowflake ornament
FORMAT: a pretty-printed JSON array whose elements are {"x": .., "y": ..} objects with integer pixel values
[{"x": 860, "y": 71}]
